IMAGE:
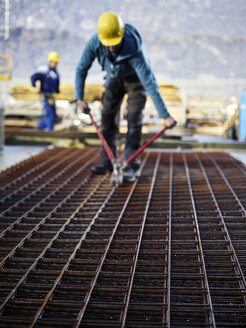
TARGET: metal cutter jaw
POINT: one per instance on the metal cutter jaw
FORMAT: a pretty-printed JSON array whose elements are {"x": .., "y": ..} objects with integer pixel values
[{"x": 117, "y": 175}]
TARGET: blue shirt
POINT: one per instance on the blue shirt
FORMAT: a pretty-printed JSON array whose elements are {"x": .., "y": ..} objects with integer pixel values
[
  {"x": 130, "y": 60},
  {"x": 48, "y": 77}
]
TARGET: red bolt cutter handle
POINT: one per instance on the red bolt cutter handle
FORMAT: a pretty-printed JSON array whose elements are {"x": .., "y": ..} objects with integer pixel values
[
  {"x": 131, "y": 158},
  {"x": 104, "y": 142},
  {"x": 141, "y": 149}
]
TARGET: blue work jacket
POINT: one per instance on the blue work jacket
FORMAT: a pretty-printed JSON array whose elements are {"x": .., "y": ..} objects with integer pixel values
[
  {"x": 48, "y": 77},
  {"x": 130, "y": 60}
]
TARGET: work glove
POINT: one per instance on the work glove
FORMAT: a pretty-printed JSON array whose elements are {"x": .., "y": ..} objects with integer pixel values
[
  {"x": 169, "y": 122},
  {"x": 83, "y": 106}
]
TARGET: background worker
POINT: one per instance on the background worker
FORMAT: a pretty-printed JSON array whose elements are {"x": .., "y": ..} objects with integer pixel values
[
  {"x": 118, "y": 48},
  {"x": 49, "y": 85}
]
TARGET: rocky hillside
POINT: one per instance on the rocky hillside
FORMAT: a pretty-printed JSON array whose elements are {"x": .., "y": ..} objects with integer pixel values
[{"x": 183, "y": 39}]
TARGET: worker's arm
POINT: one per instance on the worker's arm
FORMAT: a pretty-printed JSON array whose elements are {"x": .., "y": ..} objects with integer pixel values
[
  {"x": 58, "y": 84},
  {"x": 142, "y": 68},
  {"x": 39, "y": 75},
  {"x": 36, "y": 77},
  {"x": 86, "y": 60}
]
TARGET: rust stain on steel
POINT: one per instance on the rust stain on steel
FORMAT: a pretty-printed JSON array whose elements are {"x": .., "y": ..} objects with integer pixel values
[{"x": 165, "y": 251}]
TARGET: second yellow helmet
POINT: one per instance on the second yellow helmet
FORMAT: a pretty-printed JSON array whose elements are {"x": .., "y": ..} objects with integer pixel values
[
  {"x": 53, "y": 56},
  {"x": 110, "y": 29}
]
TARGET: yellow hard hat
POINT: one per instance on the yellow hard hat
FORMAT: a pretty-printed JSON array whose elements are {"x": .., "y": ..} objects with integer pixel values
[
  {"x": 110, "y": 29},
  {"x": 53, "y": 56}
]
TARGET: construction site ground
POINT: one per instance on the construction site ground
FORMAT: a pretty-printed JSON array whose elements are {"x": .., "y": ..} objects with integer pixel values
[
  {"x": 12, "y": 154},
  {"x": 165, "y": 251}
]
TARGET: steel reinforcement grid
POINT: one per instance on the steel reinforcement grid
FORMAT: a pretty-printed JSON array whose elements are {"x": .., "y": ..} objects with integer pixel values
[{"x": 165, "y": 251}]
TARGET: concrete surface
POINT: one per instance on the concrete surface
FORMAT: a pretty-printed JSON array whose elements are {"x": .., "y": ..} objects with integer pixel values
[
  {"x": 15, "y": 154},
  {"x": 239, "y": 156}
]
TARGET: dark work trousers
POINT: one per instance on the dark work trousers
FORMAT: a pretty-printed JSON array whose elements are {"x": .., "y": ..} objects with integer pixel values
[{"x": 112, "y": 100}]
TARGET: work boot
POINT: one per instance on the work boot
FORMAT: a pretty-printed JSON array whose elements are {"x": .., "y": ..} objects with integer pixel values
[
  {"x": 102, "y": 168},
  {"x": 130, "y": 174}
]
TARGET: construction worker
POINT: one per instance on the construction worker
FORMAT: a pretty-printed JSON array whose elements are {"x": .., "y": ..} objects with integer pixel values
[
  {"x": 49, "y": 85},
  {"x": 118, "y": 48}
]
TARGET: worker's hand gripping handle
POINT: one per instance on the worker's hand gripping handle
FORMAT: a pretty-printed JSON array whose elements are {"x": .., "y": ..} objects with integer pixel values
[{"x": 86, "y": 109}]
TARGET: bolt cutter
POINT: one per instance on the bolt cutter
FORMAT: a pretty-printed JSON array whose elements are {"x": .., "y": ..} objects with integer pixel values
[{"x": 117, "y": 175}]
